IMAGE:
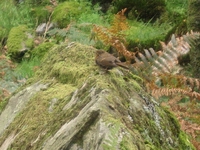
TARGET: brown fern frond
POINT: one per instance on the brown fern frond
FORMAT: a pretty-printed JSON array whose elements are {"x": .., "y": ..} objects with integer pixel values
[
  {"x": 120, "y": 47},
  {"x": 152, "y": 61},
  {"x": 119, "y": 22},
  {"x": 103, "y": 34},
  {"x": 173, "y": 91},
  {"x": 181, "y": 81},
  {"x": 113, "y": 36},
  {"x": 191, "y": 36}
]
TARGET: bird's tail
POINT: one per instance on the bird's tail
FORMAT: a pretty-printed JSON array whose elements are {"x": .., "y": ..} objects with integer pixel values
[{"x": 123, "y": 65}]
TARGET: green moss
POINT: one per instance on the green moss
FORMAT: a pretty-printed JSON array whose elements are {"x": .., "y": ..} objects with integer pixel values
[
  {"x": 44, "y": 121},
  {"x": 29, "y": 43},
  {"x": 65, "y": 65},
  {"x": 17, "y": 40},
  {"x": 127, "y": 143},
  {"x": 66, "y": 12},
  {"x": 40, "y": 51}
]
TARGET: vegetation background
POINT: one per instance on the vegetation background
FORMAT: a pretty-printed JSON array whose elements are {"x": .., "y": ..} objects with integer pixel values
[{"x": 150, "y": 21}]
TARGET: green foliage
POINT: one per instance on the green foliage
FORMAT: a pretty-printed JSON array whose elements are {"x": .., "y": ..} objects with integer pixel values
[
  {"x": 176, "y": 15},
  {"x": 66, "y": 12},
  {"x": 40, "y": 14},
  {"x": 79, "y": 30},
  {"x": 93, "y": 15},
  {"x": 27, "y": 68},
  {"x": 145, "y": 9},
  {"x": 12, "y": 15},
  {"x": 73, "y": 33},
  {"x": 193, "y": 68},
  {"x": 193, "y": 19},
  {"x": 86, "y": 20},
  {"x": 37, "y": 2},
  {"x": 177, "y": 9},
  {"x": 145, "y": 35}
]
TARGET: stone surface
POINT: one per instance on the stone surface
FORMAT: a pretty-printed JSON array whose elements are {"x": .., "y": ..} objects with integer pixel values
[{"x": 16, "y": 103}]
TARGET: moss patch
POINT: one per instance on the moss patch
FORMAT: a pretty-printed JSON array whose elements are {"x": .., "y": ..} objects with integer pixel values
[
  {"x": 69, "y": 66},
  {"x": 40, "y": 50},
  {"x": 19, "y": 41},
  {"x": 43, "y": 121}
]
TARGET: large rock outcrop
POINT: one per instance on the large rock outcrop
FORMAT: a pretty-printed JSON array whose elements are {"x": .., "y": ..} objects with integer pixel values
[{"x": 72, "y": 104}]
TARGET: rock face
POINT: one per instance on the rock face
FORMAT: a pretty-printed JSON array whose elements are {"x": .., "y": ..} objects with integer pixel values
[{"x": 84, "y": 107}]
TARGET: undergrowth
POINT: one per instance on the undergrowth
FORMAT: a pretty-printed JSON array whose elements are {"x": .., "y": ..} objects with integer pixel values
[
  {"x": 27, "y": 68},
  {"x": 12, "y": 15}
]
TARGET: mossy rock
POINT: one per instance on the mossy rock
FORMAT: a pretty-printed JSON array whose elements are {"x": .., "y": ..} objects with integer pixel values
[
  {"x": 19, "y": 41},
  {"x": 66, "y": 12},
  {"x": 76, "y": 105},
  {"x": 56, "y": 63}
]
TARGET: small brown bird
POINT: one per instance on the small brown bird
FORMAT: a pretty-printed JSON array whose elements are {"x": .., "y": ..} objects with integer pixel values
[{"x": 108, "y": 61}]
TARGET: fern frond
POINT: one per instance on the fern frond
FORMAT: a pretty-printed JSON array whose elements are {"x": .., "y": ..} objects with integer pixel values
[
  {"x": 152, "y": 61},
  {"x": 143, "y": 58},
  {"x": 113, "y": 36},
  {"x": 169, "y": 92},
  {"x": 179, "y": 81},
  {"x": 102, "y": 34},
  {"x": 120, "y": 47},
  {"x": 177, "y": 84},
  {"x": 119, "y": 22},
  {"x": 166, "y": 62},
  {"x": 191, "y": 36}
]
